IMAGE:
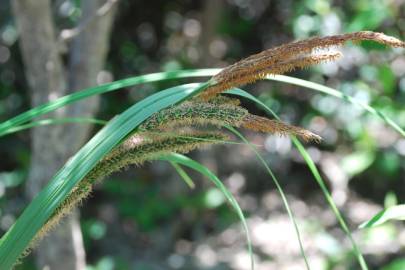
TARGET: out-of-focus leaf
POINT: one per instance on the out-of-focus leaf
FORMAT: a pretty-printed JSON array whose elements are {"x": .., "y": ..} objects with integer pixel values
[
  {"x": 11, "y": 179},
  {"x": 390, "y": 199},
  {"x": 357, "y": 162},
  {"x": 387, "y": 78},
  {"x": 214, "y": 198},
  {"x": 370, "y": 16},
  {"x": 389, "y": 162},
  {"x": 398, "y": 264},
  {"x": 396, "y": 212}
]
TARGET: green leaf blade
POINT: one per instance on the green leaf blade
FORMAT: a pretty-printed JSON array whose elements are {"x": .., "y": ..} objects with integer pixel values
[
  {"x": 188, "y": 162},
  {"x": 18, "y": 237},
  {"x": 101, "y": 89},
  {"x": 396, "y": 212},
  {"x": 314, "y": 170},
  {"x": 280, "y": 190},
  {"x": 333, "y": 92}
]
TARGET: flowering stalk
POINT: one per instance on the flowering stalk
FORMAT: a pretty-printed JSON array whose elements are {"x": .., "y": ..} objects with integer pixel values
[{"x": 137, "y": 149}]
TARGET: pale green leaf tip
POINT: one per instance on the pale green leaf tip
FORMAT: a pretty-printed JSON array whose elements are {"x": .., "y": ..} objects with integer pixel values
[{"x": 396, "y": 212}]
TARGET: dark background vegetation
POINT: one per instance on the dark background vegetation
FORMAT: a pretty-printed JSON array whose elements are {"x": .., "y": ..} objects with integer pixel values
[{"x": 147, "y": 218}]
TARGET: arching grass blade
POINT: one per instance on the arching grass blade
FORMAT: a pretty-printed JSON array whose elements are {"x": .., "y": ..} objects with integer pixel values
[
  {"x": 97, "y": 90},
  {"x": 188, "y": 162},
  {"x": 332, "y": 92},
  {"x": 280, "y": 190},
  {"x": 18, "y": 237},
  {"x": 311, "y": 165},
  {"x": 54, "y": 121}
]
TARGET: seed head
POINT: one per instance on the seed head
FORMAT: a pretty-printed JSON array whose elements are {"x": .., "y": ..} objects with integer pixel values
[
  {"x": 257, "y": 123},
  {"x": 287, "y": 57}
]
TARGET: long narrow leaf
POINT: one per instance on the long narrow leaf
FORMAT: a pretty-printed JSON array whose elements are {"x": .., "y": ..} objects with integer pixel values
[
  {"x": 332, "y": 92},
  {"x": 396, "y": 212},
  {"x": 188, "y": 162},
  {"x": 186, "y": 178},
  {"x": 315, "y": 173},
  {"x": 54, "y": 121},
  {"x": 68, "y": 99},
  {"x": 280, "y": 190},
  {"x": 18, "y": 237}
]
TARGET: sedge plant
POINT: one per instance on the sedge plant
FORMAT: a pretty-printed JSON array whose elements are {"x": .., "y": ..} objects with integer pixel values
[{"x": 173, "y": 122}]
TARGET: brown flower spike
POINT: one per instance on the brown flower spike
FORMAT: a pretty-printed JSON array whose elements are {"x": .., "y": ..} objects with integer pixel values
[
  {"x": 137, "y": 149},
  {"x": 287, "y": 57}
]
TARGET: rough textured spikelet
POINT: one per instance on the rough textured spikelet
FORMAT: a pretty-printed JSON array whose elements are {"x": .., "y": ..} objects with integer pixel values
[
  {"x": 220, "y": 100},
  {"x": 271, "y": 61},
  {"x": 250, "y": 75},
  {"x": 196, "y": 113},
  {"x": 262, "y": 124},
  {"x": 74, "y": 199},
  {"x": 137, "y": 149},
  {"x": 202, "y": 113}
]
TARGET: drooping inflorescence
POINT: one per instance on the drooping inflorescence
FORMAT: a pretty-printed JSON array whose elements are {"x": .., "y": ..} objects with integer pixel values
[
  {"x": 220, "y": 111},
  {"x": 262, "y": 124},
  {"x": 196, "y": 113},
  {"x": 287, "y": 57},
  {"x": 137, "y": 149}
]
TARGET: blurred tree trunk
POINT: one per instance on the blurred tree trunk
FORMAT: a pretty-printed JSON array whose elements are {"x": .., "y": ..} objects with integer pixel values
[
  {"x": 211, "y": 15},
  {"x": 48, "y": 80}
]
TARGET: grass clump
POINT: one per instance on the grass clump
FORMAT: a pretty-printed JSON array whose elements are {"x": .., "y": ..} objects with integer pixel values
[{"x": 174, "y": 120}]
